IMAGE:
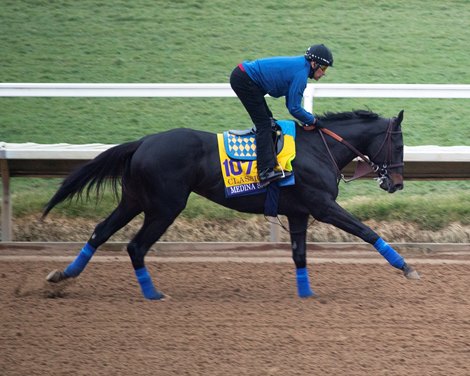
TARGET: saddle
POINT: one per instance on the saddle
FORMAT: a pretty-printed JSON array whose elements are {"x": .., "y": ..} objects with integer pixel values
[{"x": 240, "y": 144}]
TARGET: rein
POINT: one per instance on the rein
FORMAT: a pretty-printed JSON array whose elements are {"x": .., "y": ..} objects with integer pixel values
[
  {"x": 360, "y": 169},
  {"x": 371, "y": 165}
]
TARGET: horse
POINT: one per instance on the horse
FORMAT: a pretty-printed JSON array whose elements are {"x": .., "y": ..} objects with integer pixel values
[{"x": 156, "y": 174}]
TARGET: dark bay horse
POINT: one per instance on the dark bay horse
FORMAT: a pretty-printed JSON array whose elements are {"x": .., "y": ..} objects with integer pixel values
[{"x": 158, "y": 172}]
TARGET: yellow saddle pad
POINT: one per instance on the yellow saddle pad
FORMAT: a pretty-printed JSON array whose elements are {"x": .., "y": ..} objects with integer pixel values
[{"x": 241, "y": 174}]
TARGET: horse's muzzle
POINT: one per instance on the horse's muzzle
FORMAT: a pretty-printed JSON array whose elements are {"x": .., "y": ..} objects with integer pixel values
[{"x": 392, "y": 183}]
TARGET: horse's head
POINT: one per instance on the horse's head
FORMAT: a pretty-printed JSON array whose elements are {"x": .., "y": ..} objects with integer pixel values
[
  {"x": 377, "y": 141},
  {"x": 387, "y": 155}
]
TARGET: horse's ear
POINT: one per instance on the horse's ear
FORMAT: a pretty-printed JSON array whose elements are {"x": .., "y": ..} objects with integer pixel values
[{"x": 400, "y": 117}]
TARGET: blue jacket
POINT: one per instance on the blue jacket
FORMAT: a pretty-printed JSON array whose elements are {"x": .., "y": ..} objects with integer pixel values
[{"x": 283, "y": 76}]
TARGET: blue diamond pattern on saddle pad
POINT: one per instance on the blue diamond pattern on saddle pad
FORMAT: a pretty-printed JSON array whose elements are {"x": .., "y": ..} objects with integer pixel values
[{"x": 243, "y": 147}]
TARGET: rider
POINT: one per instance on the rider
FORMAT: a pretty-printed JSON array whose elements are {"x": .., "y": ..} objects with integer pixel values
[{"x": 277, "y": 76}]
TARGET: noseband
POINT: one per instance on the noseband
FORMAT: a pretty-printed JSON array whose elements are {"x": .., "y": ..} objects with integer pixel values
[{"x": 381, "y": 170}]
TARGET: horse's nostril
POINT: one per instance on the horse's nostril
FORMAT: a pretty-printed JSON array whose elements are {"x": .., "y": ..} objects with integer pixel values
[{"x": 399, "y": 187}]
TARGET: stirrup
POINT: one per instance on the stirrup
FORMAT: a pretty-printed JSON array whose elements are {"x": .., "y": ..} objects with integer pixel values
[{"x": 272, "y": 175}]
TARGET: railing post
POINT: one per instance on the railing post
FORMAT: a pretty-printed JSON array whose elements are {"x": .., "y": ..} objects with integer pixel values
[
  {"x": 6, "y": 204},
  {"x": 274, "y": 235},
  {"x": 308, "y": 98}
]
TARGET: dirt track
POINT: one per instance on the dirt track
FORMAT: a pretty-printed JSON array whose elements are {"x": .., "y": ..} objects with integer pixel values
[{"x": 236, "y": 318}]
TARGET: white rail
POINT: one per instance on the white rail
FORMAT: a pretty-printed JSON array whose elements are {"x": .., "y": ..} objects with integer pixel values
[{"x": 196, "y": 90}]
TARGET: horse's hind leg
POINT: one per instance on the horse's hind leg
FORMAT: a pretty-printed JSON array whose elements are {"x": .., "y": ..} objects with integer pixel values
[
  {"x": 156, "y": 222},
  {"x": 152, "y": 229},
  {"x": 122, "y": 215}
]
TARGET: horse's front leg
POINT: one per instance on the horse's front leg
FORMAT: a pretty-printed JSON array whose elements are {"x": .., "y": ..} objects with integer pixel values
[
  {"x": 338, "y": 217},
  {"x": 298, "y": 235}
]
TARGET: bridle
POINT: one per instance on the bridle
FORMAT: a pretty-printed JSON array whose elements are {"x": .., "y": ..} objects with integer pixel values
[{"x": 368, "y": 165}]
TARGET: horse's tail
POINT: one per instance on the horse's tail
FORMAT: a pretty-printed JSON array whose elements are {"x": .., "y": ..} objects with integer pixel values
[{"x": 107, "y": 168}]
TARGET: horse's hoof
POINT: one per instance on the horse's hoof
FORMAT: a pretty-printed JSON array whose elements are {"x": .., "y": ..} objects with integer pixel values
[
  {"x": 307, "y": 295},
  {"x": 56, "y": 276},
  {"x": 410, "y": 273},
  {"x": 157, "y": 296}
]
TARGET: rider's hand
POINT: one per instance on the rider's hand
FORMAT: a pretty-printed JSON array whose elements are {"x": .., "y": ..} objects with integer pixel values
[
  {"x": 317, "y": 123},
  {"x": 311, "y": 127}
]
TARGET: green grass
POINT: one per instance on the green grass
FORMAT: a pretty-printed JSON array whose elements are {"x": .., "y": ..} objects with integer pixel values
[
  {"x": 431, "y": 205},
  {"x": 201, "y": 41}
]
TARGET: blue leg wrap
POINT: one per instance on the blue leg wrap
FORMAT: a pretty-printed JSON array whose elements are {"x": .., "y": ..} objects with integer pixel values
[
  {"x": 77, "y": 266},
  {"x": 392, "y": 256},
  {"x": 303, "y": 283},
  {"x": 146, "y": 284}
]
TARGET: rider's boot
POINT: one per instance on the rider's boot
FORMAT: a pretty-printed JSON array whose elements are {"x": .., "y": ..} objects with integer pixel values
[{"x": 268, "y": 175}]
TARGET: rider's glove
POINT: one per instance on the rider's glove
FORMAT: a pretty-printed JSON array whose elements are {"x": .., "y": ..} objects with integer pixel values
[{"x": 317, "y": 123}]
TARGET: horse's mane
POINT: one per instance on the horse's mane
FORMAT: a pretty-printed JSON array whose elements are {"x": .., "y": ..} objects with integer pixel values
[{"x": 355, "y": 114}]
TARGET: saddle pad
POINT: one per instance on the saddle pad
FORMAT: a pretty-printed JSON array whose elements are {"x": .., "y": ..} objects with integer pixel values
[
  {"x": 241, "y": 175},
  {"x": 241, "y": 147}
]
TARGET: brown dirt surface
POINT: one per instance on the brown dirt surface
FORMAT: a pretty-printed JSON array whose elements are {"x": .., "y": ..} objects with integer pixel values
[{"x": 234, "y": 318}]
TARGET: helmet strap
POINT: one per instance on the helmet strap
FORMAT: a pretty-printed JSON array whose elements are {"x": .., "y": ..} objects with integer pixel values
[{"x": 313, "y": 70}]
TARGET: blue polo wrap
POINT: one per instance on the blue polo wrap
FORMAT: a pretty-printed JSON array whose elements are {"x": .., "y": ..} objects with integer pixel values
[
  {"x": 303, "y": 283},
  {"x": 146, "y": 284},
  {"x": 80, "y": 262},
  {"x": 392, "y": 256}
]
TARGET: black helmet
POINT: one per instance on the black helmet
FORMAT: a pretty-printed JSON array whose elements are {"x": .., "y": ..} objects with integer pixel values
[{"x": 320, "y": 54}]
